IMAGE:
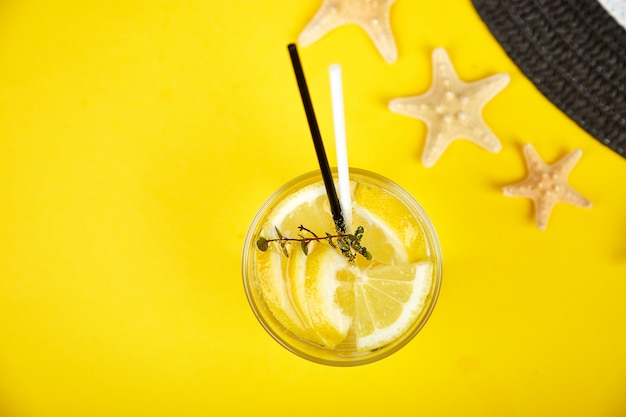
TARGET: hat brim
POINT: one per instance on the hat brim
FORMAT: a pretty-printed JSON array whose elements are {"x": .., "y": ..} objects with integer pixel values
[{"x": 574, "y": 52}]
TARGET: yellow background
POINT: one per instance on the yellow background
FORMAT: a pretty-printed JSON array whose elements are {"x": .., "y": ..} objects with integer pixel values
[{"x": 137, "y": 141}]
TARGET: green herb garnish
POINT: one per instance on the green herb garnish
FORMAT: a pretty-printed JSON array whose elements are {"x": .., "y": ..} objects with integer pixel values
[{"x": 348, "y": 243}]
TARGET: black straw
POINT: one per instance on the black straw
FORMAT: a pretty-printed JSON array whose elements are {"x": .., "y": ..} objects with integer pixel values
[{"x": 335, "y": 207}]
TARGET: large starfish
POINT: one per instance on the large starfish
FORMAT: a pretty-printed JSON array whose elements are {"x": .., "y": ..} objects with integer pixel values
[
  {"x": 547, "y": 184},
  {"x": 371, "y": 15},
  {"x": 452, "y": 108}
]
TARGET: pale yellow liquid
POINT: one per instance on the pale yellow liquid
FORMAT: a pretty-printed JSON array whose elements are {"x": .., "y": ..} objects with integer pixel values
[{"x": 314, "y": 304}]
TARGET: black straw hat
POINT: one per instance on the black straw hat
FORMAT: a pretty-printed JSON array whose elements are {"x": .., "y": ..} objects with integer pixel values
[{"x": 574, "y": 51}]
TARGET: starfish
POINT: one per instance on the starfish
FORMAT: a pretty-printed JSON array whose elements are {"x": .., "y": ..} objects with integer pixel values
[
  {"x": 452, "y": 108},
  {"x": 371, "y": 15},
  {"x": 547, "y": 184}
]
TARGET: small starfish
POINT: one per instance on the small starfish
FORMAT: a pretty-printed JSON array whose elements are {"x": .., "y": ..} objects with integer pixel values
[
  {"x": 371, "y": 15},
  {"x": 547, "y": 184},
  {"x": 452, "y": 108}
]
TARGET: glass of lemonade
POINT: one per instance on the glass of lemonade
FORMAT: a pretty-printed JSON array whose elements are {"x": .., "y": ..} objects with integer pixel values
[{"x": 327, "y": 306}]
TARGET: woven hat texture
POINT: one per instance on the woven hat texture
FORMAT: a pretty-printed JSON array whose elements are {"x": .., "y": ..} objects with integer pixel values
[{"x": 574, "y": 52}]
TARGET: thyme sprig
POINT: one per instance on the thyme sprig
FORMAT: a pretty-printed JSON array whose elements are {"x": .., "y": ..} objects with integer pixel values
[{"x": 349, "y": 244}]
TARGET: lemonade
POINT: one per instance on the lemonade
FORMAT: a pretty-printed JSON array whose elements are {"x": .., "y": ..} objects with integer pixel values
[{"x": 337, "y": 299}]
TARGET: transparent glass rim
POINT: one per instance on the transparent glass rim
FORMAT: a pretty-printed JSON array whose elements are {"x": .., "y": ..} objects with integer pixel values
[{"x": 300, "y": 347}]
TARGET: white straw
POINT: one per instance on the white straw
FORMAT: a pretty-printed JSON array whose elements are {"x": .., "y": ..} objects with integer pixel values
[{"x": 336, "y": 91}]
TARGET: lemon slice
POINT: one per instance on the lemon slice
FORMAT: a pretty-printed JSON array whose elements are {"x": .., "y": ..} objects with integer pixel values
[
  {"x": 379, "y": 304},
  {"x": 269, "y": 267},
  {"x": 388, "y": 300},
  {"x": 392, "y": 234},
  {"x": 329, "y": 313},
  {"x": 308, "y": 207},
  {"x": 296, "y": 285}
]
